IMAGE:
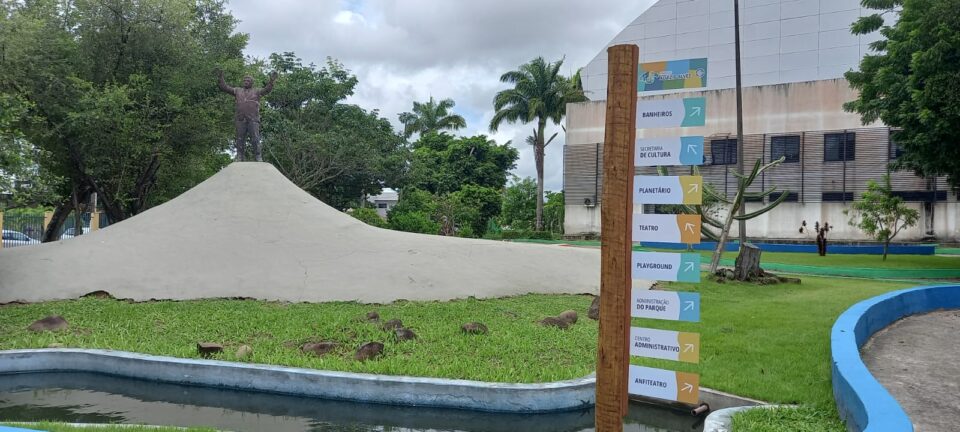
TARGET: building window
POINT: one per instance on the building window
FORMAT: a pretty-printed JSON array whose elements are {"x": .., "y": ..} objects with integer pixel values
[
  {"x": 895, "y": 150},
  {"x": 791, "y": 196},
  {"x": 382, "y": 205},
  {"x": 787, "y": 147},
  {"x": 723, "y": 151},
  {"x": 839, "y": 147},
  {"x": 837, "y": 196}
]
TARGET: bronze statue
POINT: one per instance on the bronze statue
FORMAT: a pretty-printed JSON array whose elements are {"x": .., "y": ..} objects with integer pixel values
[{"x": 247, "y": 119}]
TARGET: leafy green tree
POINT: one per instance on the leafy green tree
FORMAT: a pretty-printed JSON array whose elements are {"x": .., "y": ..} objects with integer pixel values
[
  {"x": 431, "y": 116},
  {"x": 120, "y": 95},
  {"x": 539, "y": 94},
  {"x": 338, "y": 152},
  {"x": 553, "y": 211},
  {"x": 368, "y": 216},
  {"x": 880, "y": 214},
  {"x": 442, "y": 163},
  {"x": 910, "y": 82},
  {"x": 414, "y": 212},
  {"x": 484, "y": 203},
  {"x": 520, "y": 204}
]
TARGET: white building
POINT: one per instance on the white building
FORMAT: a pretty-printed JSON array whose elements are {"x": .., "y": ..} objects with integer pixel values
[
  {"x": 793, "y": 56},
  {"x": 385, "y": 201}
]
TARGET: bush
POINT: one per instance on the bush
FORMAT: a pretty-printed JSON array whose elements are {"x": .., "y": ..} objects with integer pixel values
[
  {"x": 541, "y": 235},
  {"x": 465, "y": 231},
  {"x": 368, "y": 216},
  {"x": 514, "y": 234},
  {"x": 415, "y": 222}
]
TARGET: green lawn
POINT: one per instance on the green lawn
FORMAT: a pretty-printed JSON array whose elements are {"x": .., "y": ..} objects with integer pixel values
[
  {"x": 764, "y": 342},
  {"x": 856, "y": 261},
  {"x": 60, "y": 427},
  {"x": 276, "y": 331}
]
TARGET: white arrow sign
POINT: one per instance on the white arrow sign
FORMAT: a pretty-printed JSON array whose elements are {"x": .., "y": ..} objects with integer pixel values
[
  {"x": 687, "y": 387},
  {"x": 693, "y": 187},
  {"x": 689, "y": 305},
  {"x": 688, "y": 347}
]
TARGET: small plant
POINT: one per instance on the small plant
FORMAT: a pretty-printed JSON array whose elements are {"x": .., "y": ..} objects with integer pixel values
[
  {"x": 368, "y": 216},
  {"x": 880, "y": 214}
]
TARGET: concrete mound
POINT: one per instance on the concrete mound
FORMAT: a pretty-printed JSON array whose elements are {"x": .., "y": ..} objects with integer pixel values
[{"x": 249, "y": 232}]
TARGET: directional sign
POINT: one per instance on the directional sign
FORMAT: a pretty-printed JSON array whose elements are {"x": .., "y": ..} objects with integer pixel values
[
  {"x": 665, "y": 344},
  {"x": 669, "y": 228},
  {"x": 669, "y": 113},
  {"x": 667, "y": 189},
  {"x": 664, "y": 384},
  {"x": 666, "y": 266},
  {"x": 665, "y": 305},
  {"x": 686, "y": 150},
  {"x": 672, "y": 75}
]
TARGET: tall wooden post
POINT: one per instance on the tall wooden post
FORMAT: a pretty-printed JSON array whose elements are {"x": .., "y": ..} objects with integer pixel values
[{"x": 616, "y": 212}]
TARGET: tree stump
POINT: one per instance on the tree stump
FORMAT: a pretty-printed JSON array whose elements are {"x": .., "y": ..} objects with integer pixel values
[{"x": 748, "y": 263}]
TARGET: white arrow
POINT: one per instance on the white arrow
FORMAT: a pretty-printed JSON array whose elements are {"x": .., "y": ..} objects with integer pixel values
[
  {"x": 687, "y": 387},
  {"x": 696, "y": 112},
  {"x": 688, "y": 305},
  {"x": 689, "y": 227},
  {"x": 688, "y": 347},
  {"x": 690, "y": 266},
  {"x": 694, "y": 187},
  {"x": 692, "y": 148}
]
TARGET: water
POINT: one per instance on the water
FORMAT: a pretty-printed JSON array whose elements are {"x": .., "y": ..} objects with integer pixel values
[{"x": 94, "y": 398}]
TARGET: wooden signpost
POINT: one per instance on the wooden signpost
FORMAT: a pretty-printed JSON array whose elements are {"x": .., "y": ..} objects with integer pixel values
[{"x": 616, "y": 378}]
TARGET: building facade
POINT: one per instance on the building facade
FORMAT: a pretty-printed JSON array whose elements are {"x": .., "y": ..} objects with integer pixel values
[{"x": 793, "y": 56}]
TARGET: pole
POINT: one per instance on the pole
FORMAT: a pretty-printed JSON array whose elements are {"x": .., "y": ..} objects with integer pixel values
[
  {"x": 616, "y": 213},
  {"x": 742, "y": 226}
]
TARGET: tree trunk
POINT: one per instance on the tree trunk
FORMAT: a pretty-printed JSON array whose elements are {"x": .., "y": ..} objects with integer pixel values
[
  {"x": 538, "y": 154},
  {"x": 886, "y": 245},
  {"x": 60, "y": 214},
  {"x": 724, "y": 234},
  {"x": 748, "y": 263}
]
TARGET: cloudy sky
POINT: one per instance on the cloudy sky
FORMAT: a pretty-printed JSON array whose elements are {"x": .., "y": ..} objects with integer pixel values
[{"x": 406, "y": 50}]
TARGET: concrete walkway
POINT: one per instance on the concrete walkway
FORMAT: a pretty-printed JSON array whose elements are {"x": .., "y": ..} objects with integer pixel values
[{"x": 917, "y": 359}]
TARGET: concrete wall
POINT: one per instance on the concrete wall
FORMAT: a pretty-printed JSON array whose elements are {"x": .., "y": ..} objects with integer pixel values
[
  {"x": 770, "y": 109},
  {"x": 782, "y": 41},
  {"x": 784, "y": 221}
]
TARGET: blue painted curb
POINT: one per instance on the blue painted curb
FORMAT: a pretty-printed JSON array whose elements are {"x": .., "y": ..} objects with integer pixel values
[
  {"x": 13, "y": 429},
  {"x": 840, "y": 249},
  {"x": 863, "y": 403}
]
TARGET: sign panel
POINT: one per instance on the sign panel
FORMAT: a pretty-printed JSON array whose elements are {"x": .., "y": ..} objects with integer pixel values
[
  {"x": 672, "y": 75},
  {"x": 667, "y": 189},
  {"x": 666, "y": 266},
  {"x": 686, "y": 150},
  {"x": 669, "y": 113},
  {"x": 664, "y": 384},
  {"x": 665, "y": 344},
  {"x": 681, "y": 228},
  {"x": 665, "y": 305}
]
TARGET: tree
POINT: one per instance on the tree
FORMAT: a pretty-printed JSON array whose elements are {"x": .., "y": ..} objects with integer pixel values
[
  {"x": 553, "y": 211},
  {"x": 442, "y": 163},
  {"x": 881, "y": 214},
  {"x": 520, "y": 204},
  {"x": 539, "y": 94},
  {"x": 120, "y": 96},
  {"x": 910, "y": 82},
  {"x": 338, "y": 152},
  {"x": 431, "y": 116}
]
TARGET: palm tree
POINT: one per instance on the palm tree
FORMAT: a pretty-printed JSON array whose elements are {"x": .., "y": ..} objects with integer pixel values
[
  {"x": 431, "y": 116},
  {"x": 539, "y": 93}
]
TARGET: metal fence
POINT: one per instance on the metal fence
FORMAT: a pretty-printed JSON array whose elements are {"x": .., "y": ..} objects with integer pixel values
[
  {"x": 24, "y": 230},
  {"x": 820, "y": 166}
]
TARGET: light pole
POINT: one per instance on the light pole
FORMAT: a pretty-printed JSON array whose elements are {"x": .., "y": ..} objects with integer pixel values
[{"x": 742, "y": 225}]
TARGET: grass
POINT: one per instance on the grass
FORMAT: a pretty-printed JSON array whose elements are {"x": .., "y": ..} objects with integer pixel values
[
  {"x": 765, "y": 342},
  {"x": 806, "y": 418},
  {"x": 771, "y": 342},
  {"x": 277, "y": 330},
  {"x": 855, "y": 261},
  {"x": 62, "y": 427}
]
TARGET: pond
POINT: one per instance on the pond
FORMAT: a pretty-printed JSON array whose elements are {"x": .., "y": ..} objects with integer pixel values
[{"x": 95, "y": 398}]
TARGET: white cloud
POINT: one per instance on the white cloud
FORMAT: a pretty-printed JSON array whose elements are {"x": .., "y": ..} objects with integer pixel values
[{"x": 406, "y": 50}]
